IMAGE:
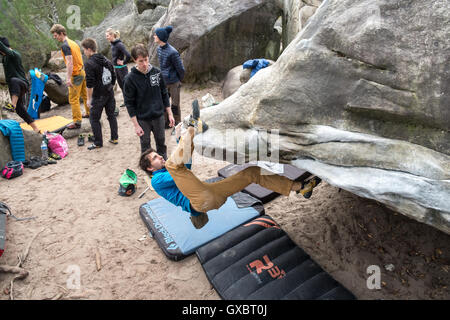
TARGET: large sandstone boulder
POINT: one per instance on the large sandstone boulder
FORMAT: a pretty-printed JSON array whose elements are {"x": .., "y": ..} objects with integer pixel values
[
  {"x": 296, "y": 14},
  {"x": 57, "y": 93},
  {"x": 134, "y": 25},
  {"x": 214, "y": 36},
  {"x": 32, "y": 142},
  {"x": 361, "y": 98}
]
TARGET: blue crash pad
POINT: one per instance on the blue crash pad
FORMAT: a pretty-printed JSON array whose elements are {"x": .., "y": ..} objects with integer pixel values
[{"x": 178, "y": 238}]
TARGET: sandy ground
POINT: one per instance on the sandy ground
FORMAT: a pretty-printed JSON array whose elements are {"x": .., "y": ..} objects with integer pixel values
[{"x": 79, "y": 212}]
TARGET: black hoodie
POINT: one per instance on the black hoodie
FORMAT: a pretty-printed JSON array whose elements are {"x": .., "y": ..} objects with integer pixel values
[
  {"x": 118, "y": 51},
  {"x": 94, "y": 72},
  {"x": 145, "y": 95}
]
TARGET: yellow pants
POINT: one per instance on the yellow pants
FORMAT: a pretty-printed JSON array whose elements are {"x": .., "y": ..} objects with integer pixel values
[
  {"x": 75, "y": 92},
  {"x": 208, "y": 196}
]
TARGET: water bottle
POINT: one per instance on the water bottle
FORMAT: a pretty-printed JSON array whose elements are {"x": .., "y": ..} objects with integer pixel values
[{"x": 44, "y": 150}]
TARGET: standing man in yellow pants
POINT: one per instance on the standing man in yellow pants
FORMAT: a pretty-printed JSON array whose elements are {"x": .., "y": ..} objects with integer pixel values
[
  {"x": 76, "y": 77},
  {"x": 174, "y": 181}
]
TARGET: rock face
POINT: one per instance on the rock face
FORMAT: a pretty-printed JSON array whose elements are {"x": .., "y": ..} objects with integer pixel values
[
  {"x": 218, "y": 35},
  {"x": 32, "y": 142},
  {"x": 296, "y": 14},
  {"x": 235, "y": 78},
  {"x": 361, "y": 98},
  {"x": 134, "y": 25}
]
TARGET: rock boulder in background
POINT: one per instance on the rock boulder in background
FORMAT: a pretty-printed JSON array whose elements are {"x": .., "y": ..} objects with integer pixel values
[
  {"x": 361, "y": 98},
  {"x": 214, "y": 36},
  {"x": 134, "y": 26}
]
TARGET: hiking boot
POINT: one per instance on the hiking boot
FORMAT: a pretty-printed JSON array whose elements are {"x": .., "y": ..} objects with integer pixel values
[
  {"x": 93, "y": 146},
  {"x": 194, "y": 118},
  {"x": 200, "y": 220},
  {"x": 307, "y": 187},
  {"x": 80, "y": 141},
  {"x": 74, "y": 125},
  {"x": 113, "y": 141},
  {"x": 9, "y": 107}
]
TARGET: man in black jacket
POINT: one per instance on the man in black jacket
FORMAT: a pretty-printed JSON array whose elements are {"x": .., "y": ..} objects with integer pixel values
[
  {"x": 100, "y": 79},
  {"x": 17, "y": 82},
  {"x": 146, "y": 97}
]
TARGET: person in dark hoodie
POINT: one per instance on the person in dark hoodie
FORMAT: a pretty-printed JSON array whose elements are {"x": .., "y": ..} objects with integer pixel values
[
  {"x": 146, "y": 98},
  {"x": 100, "y": 79},
  {"x": 120, "y": 56},
  {"x": 18, "y": 84},
  {"x": 172, "y": 69}
]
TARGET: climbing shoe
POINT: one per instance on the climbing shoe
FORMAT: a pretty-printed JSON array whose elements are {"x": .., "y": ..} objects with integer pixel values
[
  {"x": 93, "y": 146},
  {"x": 200, "y": 220},
  {"x": 9, "y": 107},
  {"x": 194, "y": 118},
  {"x": 308, "y": 186},
  {"x": 113, "y": 141},
  {"x": 54, "y": 156},
  {"x": 80, "y": 141}
]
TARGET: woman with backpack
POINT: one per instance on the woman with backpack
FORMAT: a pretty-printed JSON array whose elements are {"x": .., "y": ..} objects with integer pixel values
[{"x": 120, "y": 56}]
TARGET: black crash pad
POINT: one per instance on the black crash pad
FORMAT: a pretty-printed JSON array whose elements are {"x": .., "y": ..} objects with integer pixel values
[
  {"x": 259, "y": 261},
  {"x": 255, "y": 190}
]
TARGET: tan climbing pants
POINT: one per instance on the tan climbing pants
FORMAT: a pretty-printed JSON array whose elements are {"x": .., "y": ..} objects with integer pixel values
[
  {"x": 208, "y": 196},
  {"x": 76, "y": 91}
]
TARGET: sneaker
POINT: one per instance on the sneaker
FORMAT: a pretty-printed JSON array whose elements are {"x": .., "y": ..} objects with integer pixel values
[
  {"x": 80, "y": 140},
  {"x": 116, "y": 111},
  {"x": 114, "y": 141},
  {"x": 122, "y": 105},
  {"x": 9, "y": 107},
  {"x": 307, "y": 187},
  {"x": 90, "y": 138},
  {"x": 85, "y": 116},
  {"x": 74, "y": 125},
  {"x": 93, "y": 146}
]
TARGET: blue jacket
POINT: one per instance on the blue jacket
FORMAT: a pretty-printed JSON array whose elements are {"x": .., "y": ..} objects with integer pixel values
[
  {"x": 165, "y": 186},
  {"x": 255, "y": 65},
  {"x": 170, "y": 63}
]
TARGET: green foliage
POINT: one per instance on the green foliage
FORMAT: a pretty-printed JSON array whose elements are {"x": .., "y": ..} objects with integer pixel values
[{"x": 27, "y": 23}]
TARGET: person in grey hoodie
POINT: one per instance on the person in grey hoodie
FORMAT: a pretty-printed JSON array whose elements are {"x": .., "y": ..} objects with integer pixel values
[
  {"x": 100, "y": 79},
  {"x": 146, "y": 99}
]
